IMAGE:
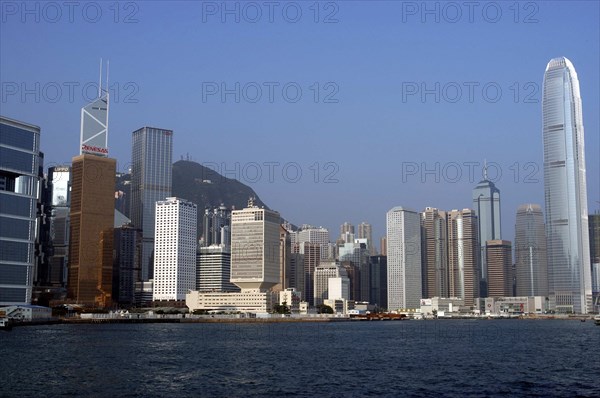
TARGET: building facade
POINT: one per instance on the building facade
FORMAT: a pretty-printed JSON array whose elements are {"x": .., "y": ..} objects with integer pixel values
[
  {"x": 323, "y": 274},
  {"x": 216, "y": 226},
  {"x": 486, "y": 205},
  {"x": 531, "y": 263},
  {"x": 127, "y": 260},
  {"x": 316, "y": 235},
  {"x": 378, "y": 280},
  {"x": 213, "y": 267},
  {"x": 434, "y": 250},
  {"x": 565, "y": 190},
  {"x": 365, "y": 231},
  {"x": 59, "y": 183},
  {"x": 500, "y": 277},
  {"x": 403, "y": 259},
  {"x": 151, "y": 181},
  {"x": 92, "y": 214},
  {"x": 19, "y": 190},
  {"x": 255, "y": 248},
  {"x": 463, "y": 255},
  {"x": 594, "y": 226},
  {"x": 311, "y": 256},
  {"x": 175, "y": 245}
]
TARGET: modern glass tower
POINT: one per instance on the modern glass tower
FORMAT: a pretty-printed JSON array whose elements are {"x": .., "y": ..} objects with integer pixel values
[
  {"x": 486, "y": 203},
  {"x": 530, "y": 251},
  {"x": 565, "y": 192},
  {"x": 19, "y": 164},
  {"x": 151, "y": 181}
]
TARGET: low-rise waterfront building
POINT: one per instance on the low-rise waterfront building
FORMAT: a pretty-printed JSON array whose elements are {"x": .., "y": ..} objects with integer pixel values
[
  {"x": 513, "y": 305},
  {"x": 442, "y": 306},
  {"x": 248, "y": 300}
]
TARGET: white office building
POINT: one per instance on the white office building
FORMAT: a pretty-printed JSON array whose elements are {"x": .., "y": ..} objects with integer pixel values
[
  {"x": 329, "y": 275},
  {"x": 319, "y": 235},
  {"x": 175, "y": 242},
  {"x": 255, "y": 247},
  {"x": 403, "y": 259}
]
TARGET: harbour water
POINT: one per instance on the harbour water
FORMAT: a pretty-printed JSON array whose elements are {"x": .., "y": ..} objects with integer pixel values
[{"x": 453, "y": 358}]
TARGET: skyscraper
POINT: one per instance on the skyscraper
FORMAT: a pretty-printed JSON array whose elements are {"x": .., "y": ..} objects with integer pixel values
[
  {"x": 499, "y": 255},
  {"x": 126, "y": 263},
  {"x": 175, "y": 249},
  {"x": 378, "y": 279},
  {"x": 323, "y": 273},
  {"x": 216, "y": 228},
  {"x": 434, "y": 250},
  {"x": 55, "y": 193},
  {"x": 403, "y": 258},
  {"x": 91, "y": 226},
  {"x": 358, "y": 255},
  {"x": 365, "y": 231},
  {"x": 255, "y": 251},
  {"x": 213, "y": 269},
  {"x": 463, "y": 255},
  {"x": 594, "y": 225},
  {"x": 565, "y": 192},
  {"x": 346, "y": 232},
  {"x": 311, "y": 257},
  {"x": 151, "y": 181},
  {"x": 346, "y": 228},
  {"x": 92, "y": 210},
  {"x": 319, "y": 235},
  {"x": 530, "y": 251},
  {"x": 486, "y": 203},
  {"x": 19, "y": 164}
]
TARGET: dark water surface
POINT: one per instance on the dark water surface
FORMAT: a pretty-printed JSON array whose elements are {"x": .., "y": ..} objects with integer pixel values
[{"x": 453, "y": 358}]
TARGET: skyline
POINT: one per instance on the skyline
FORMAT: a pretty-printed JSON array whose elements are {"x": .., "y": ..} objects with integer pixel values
[{"x": 362, "y": 138}]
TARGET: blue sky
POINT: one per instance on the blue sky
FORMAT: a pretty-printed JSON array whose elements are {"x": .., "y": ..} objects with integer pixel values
[{"x": 385, "y": 93}]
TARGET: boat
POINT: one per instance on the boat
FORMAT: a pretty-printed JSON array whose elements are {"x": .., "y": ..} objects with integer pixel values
[{"x": 597, "y": 320}]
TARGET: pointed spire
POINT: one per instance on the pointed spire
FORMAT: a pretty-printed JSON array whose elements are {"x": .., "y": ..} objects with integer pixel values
[{"x": 485, "y": 175}]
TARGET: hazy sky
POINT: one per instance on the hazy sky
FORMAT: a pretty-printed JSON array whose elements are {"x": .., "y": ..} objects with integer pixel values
[{"x": 331, "y": 111}]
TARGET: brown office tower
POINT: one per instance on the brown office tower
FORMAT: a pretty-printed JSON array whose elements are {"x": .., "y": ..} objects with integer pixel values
[
  {"x": 463, "y": 255},
  {"x": 434, "y": 253},
  {"x": 499, "y": 260},
  {"x": 91, "y": 235}
]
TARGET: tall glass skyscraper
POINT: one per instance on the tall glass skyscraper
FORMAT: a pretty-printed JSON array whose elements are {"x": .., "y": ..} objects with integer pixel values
[
  {"x": 530, "y": 251},
  {"x": 19, "y": 167},
  {"x": 151, "y": 181},
  {"x": 569, "y": 271},
  {"x": 486, "y": 202}
]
